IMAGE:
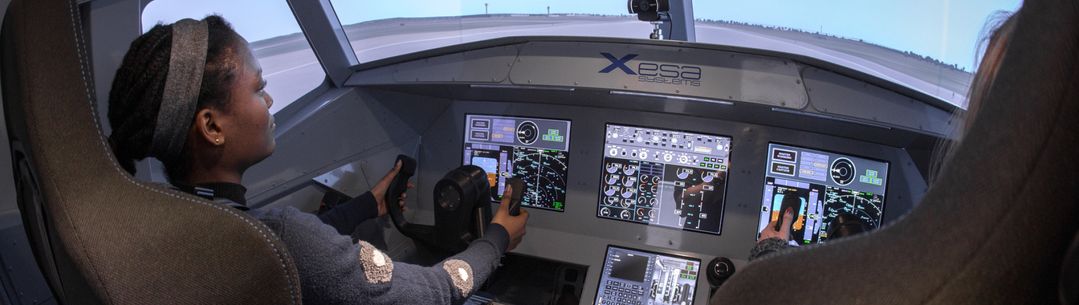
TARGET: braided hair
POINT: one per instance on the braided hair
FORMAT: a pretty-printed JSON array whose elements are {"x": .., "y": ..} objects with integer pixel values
[{"x": 137, "y": 89}]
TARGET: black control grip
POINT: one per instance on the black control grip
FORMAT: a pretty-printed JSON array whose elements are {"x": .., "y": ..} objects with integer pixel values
[
  {"x": 779, "y": 222},
  {"x": 399, "y": 185},
  {"x": 518, "y": 187},
  {"x": 793, "y": 203}
]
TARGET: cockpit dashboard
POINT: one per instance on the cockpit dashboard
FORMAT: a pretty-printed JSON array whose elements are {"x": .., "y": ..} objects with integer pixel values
[
  {"x": 610, "y": 162},
  {"x": 688, "y": 187}
]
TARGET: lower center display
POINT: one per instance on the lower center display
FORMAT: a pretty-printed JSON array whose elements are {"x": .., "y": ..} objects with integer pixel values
[
  {"x": 661, "y": 177},
  {"x": 633, "y": 276}
]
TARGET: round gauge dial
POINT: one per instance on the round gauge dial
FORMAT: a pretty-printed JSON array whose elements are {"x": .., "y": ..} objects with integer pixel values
[
  {"x": 611, "y": 190},
  {"x": 527, "y": 132},
  {"x": 707, "y": 176},
  {"x": 613, "y": 201},
  {"x": 613, "y": 167},
  {"x": 612, "y": 178},
  {"x": 842, "y": 171}
]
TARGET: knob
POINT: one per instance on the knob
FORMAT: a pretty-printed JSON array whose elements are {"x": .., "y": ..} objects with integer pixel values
[{"x": 718, "y": 270}]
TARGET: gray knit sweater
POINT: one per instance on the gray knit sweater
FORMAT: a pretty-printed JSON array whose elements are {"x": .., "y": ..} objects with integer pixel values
[
  {"x": 333, "y": 270},
  {"x": 768, "y": 247}
]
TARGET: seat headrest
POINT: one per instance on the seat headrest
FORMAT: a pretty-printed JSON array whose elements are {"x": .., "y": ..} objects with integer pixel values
[
  {"x": 118, "y": 240},
  {"x": 995, "y": 226}
]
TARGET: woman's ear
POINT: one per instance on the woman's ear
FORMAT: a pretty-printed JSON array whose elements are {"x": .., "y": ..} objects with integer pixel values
[{"x": 208, "y": 127}]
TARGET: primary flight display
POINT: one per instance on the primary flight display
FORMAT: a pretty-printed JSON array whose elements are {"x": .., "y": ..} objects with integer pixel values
[
  {"x": 533, "y": 149},
  {"x": 819, "y": 186}
]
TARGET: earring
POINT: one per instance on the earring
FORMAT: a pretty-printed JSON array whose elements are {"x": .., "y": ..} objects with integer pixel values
[{"x": 218, "y": 140}]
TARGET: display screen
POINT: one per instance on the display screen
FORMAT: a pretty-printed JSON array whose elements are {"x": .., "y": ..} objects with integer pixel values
[
  {"x": 819, "y": 186},
  {"x": 662, "y": 177},
  {"x": 641, "y": 277},
  {"x": 535, "y": 150}
]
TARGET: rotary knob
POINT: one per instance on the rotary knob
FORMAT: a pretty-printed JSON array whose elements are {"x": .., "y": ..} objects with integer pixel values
[{"x": 718, "y": 270}]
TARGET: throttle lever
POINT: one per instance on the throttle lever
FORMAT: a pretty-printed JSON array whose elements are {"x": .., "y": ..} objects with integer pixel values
[{"x": 518, "y": 187}]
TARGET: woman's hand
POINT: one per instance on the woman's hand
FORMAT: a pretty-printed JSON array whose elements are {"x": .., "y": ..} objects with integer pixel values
[
  {"x": 784, "y": 232},
  {"x": 380, "y": 189},
  {"x": 514, "y": 225}
]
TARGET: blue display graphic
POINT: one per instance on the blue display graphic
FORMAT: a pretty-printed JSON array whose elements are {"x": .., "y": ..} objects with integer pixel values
[
  {"x": 533, "y": 149},
  {"x": 819, "y": 186}
]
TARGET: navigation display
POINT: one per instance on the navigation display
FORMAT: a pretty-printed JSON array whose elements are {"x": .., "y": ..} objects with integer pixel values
[
  {"x": 641, "y": 277},
  {"x": 663, "y": 177},
  {"x": 535, "y": 150},
  {"x": 819, "y": 186}
]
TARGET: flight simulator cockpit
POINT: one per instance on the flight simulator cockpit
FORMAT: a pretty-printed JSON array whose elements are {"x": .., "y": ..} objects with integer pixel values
[{"x": 650, "y": 162}]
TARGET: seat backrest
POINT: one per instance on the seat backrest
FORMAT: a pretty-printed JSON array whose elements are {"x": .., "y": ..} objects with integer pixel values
[
  {"x": 1069, "y": 274},
  {"x": 995, "y": 228},
  {"x": 99, "y": 235}
]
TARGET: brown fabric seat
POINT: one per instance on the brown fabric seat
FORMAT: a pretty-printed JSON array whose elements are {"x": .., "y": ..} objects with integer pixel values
[
  {"x": 99, "y": 235},
  {"x": 996, "y": 227}
]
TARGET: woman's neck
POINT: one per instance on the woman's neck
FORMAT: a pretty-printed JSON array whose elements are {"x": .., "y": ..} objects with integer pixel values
[{"x": 213, "y": 175}]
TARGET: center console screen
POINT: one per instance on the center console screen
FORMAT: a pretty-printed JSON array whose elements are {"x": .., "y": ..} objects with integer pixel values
[
  {"x": 533, "y": 149},
  {"x": 663, "y": 177},
  {"x": 640, "y": 277},
  {"x": 819, "y": 186}
]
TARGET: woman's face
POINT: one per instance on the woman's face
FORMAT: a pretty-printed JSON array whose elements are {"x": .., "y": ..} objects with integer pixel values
[{"x": 250, "y": 125}]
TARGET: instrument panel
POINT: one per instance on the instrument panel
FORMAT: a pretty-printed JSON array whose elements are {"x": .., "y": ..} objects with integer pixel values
[
  {"x": 671, "y": 179},
  {"x": 722, "y": 221}
]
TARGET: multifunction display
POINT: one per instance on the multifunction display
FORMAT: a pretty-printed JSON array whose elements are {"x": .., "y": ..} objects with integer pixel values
[
  {"x": 640, "y": 277},
  {"x": 663, "y": 177},
  {"x": 535, "y": 150},
  {"x": 819, "y": 186}
]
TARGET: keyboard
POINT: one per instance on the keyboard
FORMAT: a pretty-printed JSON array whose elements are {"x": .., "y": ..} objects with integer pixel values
[{"x": 618, "y": 293}]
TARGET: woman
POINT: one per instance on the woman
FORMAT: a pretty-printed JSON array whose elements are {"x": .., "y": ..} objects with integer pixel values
[{"x": 191, "y": 95}]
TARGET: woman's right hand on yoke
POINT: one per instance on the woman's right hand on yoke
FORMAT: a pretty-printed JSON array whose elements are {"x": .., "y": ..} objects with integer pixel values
[{"x": 514, "y": 225}]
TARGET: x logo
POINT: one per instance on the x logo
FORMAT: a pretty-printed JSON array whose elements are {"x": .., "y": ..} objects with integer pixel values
[{"x": 618, "y": 63}]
